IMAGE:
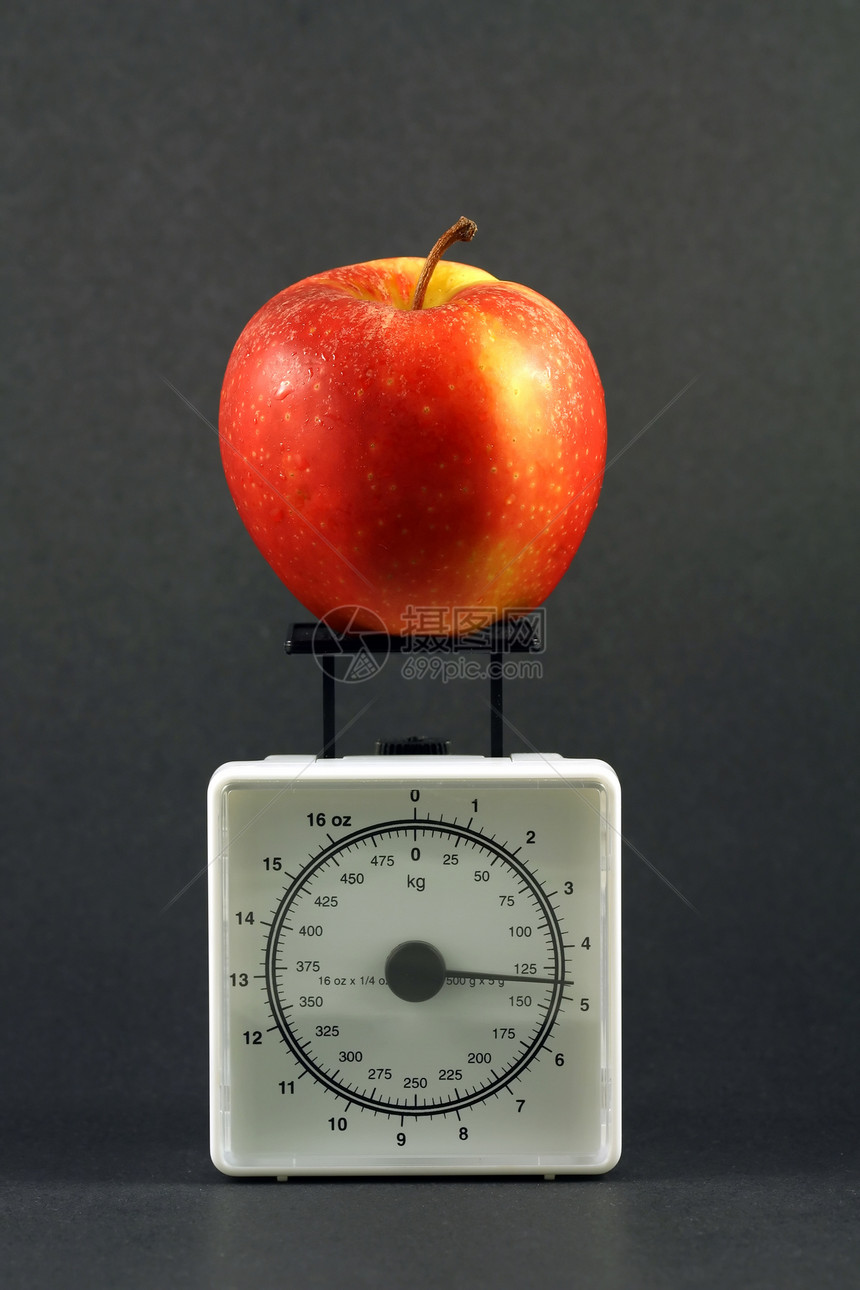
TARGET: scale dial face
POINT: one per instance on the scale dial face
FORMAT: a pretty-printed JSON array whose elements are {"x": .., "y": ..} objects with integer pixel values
[{"x": 414, "y": 966}]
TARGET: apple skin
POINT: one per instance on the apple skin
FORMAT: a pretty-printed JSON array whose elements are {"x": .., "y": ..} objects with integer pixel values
[{"x": 392, "y": 458}]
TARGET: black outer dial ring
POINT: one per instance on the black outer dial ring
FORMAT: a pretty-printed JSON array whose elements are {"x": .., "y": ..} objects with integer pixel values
[{"x": 550, "y": 1008}]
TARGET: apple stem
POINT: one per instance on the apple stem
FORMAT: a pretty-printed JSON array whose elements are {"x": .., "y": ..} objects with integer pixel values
[{"x": 463, "y": 231}]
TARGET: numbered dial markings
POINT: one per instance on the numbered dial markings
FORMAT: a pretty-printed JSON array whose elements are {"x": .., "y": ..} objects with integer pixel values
[{"x": 416, "y": 966}]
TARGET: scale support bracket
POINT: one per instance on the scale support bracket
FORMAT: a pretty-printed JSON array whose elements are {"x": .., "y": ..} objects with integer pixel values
[{"x": 523, "y": 635}]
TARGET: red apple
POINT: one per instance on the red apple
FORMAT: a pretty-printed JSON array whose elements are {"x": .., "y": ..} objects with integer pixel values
[{"x": 399, "y": 458}]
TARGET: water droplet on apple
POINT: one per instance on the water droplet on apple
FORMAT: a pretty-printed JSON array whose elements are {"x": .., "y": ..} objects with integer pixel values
[{"x": 283, "y": 389}]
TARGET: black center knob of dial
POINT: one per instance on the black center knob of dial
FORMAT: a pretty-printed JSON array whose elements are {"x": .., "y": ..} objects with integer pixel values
[{"x": 415, "y": 971}]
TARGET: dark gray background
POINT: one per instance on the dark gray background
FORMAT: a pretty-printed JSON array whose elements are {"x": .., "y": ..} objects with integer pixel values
[{"x": 682, "y": 180}]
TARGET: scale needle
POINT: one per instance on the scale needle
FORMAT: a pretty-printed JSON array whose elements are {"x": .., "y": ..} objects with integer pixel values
[{"x": 506, "y": 976}]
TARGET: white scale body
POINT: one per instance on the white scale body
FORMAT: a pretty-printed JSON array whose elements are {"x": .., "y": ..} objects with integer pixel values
[{"x": 415, "y": 966}]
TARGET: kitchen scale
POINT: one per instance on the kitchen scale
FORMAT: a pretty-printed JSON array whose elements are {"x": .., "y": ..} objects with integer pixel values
[{"x": 414, "y": 956}]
